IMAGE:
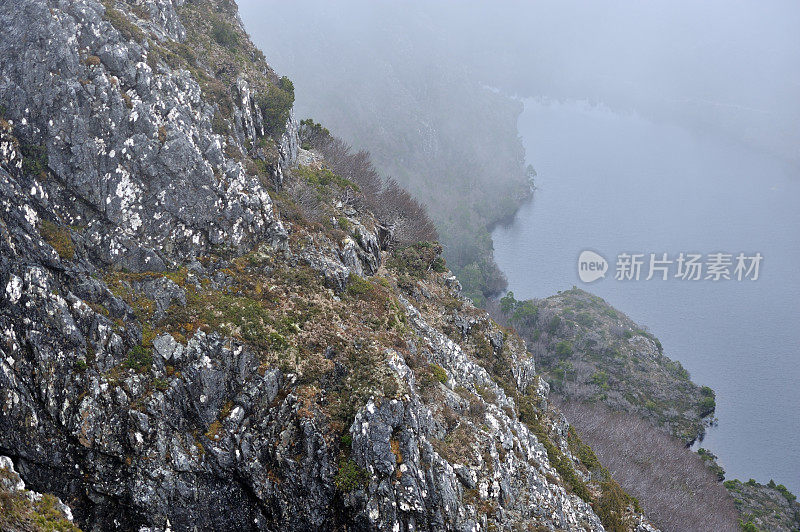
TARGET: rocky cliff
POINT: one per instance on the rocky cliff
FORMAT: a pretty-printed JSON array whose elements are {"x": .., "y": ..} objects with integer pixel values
[{"x": 197, "y": 332}]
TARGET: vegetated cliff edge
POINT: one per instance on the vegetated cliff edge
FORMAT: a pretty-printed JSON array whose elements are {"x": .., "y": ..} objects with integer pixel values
[
  {"x": 619, "y": 390},
  {"x": 197, "y": 332},
  {"x": 589, "y": 351}
]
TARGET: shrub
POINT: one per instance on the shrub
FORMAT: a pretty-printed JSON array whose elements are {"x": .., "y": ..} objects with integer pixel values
[
  {"x": 120, "y": 21},
  {"x": 276, "y": 106},
  {"x": 707, "y": 403},
  {"x": 278, "y": 341},
  {"x": 312, "y": 134},
  {"x": 418, "y": 259},
  {"x": 672, "y": 484},
  {"x": 601, "y": 379},
  {"x": 439, "y": 373},
  {"x": 508, "y": 303},
  {"x": 357, "y": 285},
  {"x": 563, "y": 348},
  {"x": 34, "y": 159},
  {"x": 323, "y": 178},
  {"x": 403, "y": 219},
  {"x": 224, "y": 34},
  {"x": 139, "y": 358},
  {"x": 710, "y": 460},
  {"x": 219, "y": 125},
  {"x": 612, "y": 506},
  {"x": 748, "y": 526}
]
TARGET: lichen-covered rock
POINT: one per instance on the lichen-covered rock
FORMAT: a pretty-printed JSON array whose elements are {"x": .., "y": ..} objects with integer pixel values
[
  {"x": 176, "y": 356},
  {"x": 130, "y": 141}
]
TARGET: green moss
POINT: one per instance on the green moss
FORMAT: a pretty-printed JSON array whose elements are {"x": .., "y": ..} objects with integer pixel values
[
  {"x": 139, "y": 358},
  {"x": 59, "y": 239},
  {"x": 34, "y": 159},
  {"x": 350, "y": 476},
  {"x": 120, "y": 21}
]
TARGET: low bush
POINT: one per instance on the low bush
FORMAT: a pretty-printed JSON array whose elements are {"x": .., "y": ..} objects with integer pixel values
[
  {"x": 224, "y": 34},
  {"x": 139, "y": 358},
  {"x": 403, "y": 219},
  {"x": 34, "y": 159},
  {"x": 418, "y": 259},
  {"x": 120, "y": 21},
  {"x": 59, "y": 239},
  {"x": 439, "y": 373},
  {"x": 563, "y": 349}
]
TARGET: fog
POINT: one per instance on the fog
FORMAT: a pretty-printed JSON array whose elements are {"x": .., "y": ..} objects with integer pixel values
[{"x": 730, "y": 66}]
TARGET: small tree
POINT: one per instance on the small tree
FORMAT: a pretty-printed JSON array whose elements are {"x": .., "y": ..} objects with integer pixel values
[{"x": 276, "y": 106}]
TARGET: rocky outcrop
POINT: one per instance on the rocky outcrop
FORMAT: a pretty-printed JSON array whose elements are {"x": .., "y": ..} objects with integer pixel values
[
  {"x": 22, "y": 509},
  {"x": 591, "y": 352},
  {"x": 174, "y": 355},
  {"x": 765, "y": 506},
  {"x": 129, "y": 140}
]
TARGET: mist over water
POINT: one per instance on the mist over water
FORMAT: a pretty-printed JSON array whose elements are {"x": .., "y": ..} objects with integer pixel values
[{"x": 619, "y": 183}]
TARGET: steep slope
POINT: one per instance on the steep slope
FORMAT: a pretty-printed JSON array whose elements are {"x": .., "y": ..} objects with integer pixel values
[
  {"x": 765, "y": 506},
  {"x": 383, "y": 77},
  {"x": 590, "y": 352},
  {"x": 199, "y": 332}
]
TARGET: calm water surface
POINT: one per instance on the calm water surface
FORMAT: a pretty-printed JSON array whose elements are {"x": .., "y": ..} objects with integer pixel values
[{"x": 617, "y": 183}]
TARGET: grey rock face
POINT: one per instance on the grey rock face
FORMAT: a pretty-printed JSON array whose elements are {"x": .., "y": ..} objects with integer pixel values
[
  {"x": 132, "y": 146},
  {"x": 199, "y": 432}
]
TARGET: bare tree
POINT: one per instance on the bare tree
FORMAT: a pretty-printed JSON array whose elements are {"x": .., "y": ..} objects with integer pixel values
[
  {"x": 674, "y": 487},
  {"x": 405, "y": 219}
]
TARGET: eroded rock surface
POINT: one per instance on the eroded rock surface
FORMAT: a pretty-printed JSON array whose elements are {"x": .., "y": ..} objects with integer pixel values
[{"x": 175, "y": 355}]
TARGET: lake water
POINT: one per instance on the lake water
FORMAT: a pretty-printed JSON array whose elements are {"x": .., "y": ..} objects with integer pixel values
[{"x": 616, "y": 183}]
